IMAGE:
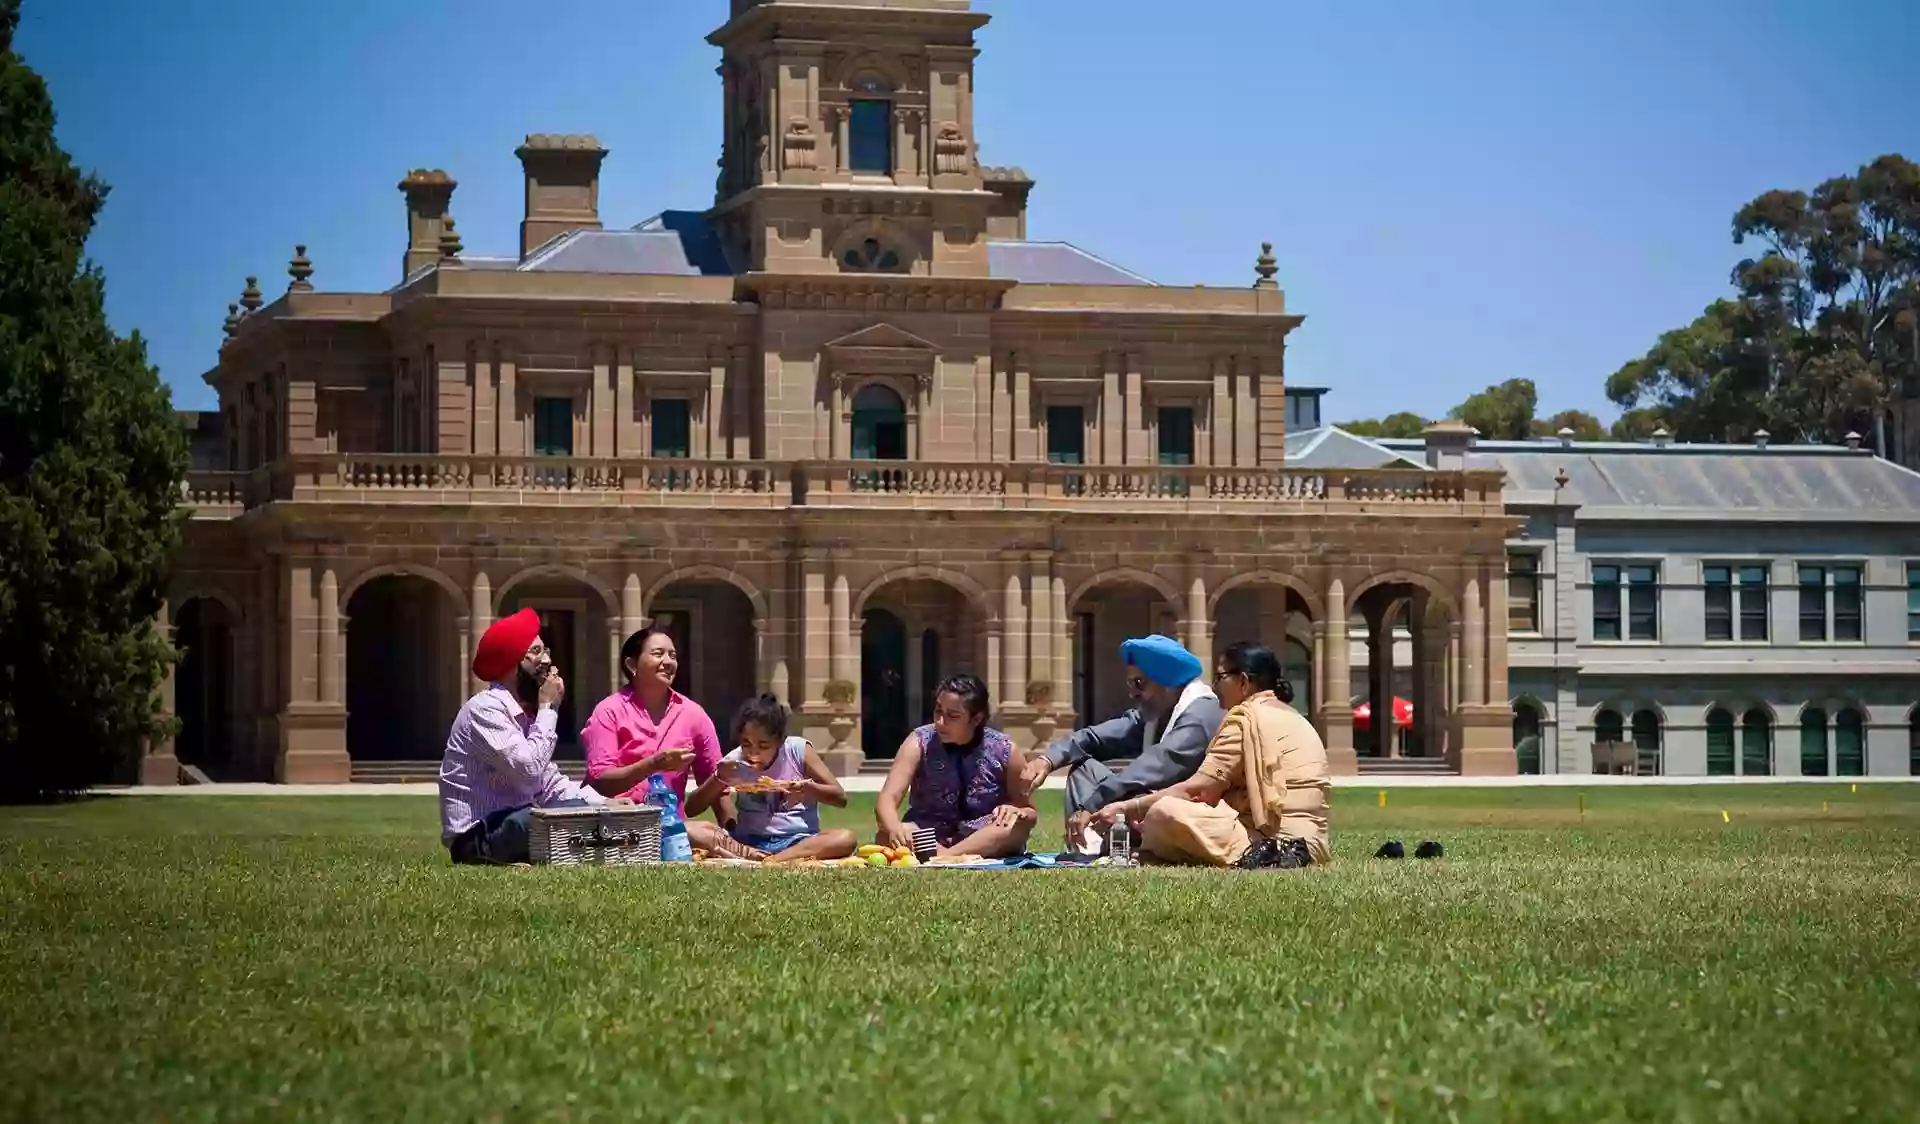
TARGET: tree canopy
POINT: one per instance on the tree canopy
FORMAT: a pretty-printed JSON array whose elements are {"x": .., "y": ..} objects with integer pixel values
[
  {"x": 1500, "y": 413},
  {"x": 91, "y": 459},
  {"x": 1823, "y": 326}
]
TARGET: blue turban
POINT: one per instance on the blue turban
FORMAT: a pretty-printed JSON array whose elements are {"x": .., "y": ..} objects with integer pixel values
[{"x": 1162, "y": 659}]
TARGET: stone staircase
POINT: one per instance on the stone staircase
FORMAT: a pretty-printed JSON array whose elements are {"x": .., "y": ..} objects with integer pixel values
[
  {"x": 418, "y": 772},
  {"x": 1405, "y": 767}
]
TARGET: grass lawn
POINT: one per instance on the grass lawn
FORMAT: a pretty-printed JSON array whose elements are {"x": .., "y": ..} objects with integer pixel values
[{"x": 200, "y": 958}]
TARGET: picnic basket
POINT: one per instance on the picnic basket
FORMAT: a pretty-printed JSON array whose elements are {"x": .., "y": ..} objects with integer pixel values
[{"x": 602, "y": 835}]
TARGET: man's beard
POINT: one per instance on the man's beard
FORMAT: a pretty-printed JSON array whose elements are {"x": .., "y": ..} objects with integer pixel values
[{"x": 527, "y": 683}]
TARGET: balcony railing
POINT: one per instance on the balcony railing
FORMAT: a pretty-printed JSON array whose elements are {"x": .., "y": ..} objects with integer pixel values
[{"x": 430, "y": 478}]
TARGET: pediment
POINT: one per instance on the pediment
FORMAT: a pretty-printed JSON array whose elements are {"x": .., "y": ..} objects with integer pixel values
[{"x": 881, "y": 337}]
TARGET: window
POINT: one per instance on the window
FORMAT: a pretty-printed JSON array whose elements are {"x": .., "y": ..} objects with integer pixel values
[
  {"x": 1608, "y": 727},
  {"x": 1837, "y": 587},
  {"x": 672, "y": 427},
  {"x": 1066, "y": 435},
  {"x": 1719, "y": 743},
  {"x": 1296, "y": 663},
  {"x": 1523, "y": 593},
  {"x": 1750, "y": 582},
  {"x": 1526, "y": 737},
  {"x": 1175, "y": 436},
  {"x": 1846, "y": 603},
  {"x": 553, "y": 427},
  {"x": 1606, "y": 604},
  {"x": 1756, "y": 743},
  {"x": 871, "y": 257},
  {"x": 879, "y": 425},
  {"x": 1646, "y": 742},
  {"x": 1913, "y": 602},
  {"x": 1913, "y": 742},
  {"x": 1642, "y": 602},
  {"x": 870, "y": 137},
  {"x": 1849, "y": 744},
  {"x": 1813, "y": 742},
  {"x": 1084, "y": 656}
]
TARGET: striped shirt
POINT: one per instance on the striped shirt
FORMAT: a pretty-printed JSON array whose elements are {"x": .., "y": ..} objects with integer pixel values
[{"x": 498, "y": 758}]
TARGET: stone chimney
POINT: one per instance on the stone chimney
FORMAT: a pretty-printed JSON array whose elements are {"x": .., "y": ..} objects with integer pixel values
[
  {"x": 1447, "y": 443},
  {"x": 1007, "y": 214},
  {"x": 429, "y": 191},
  {"x": 563, "y": 187}
]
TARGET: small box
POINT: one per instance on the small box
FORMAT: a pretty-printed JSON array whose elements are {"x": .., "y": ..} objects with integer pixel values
[{"x": 603, "y": 835}]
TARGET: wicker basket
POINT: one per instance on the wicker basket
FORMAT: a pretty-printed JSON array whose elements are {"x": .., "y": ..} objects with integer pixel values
[{"x": 602, "y": 835}]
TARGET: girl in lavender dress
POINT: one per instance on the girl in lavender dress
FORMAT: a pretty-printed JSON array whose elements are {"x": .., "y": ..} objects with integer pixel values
[
  {"x": 960, "y": 779},
  {"x": 778, "y": 784}
]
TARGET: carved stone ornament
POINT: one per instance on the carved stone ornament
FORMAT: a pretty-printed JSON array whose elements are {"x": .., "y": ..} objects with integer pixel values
[
  {"x": 300, "y": 269},
  {"x": 950, "y": 150},
  {"x": 250, "y": 296},
  {"x": 800, "y": 144}
]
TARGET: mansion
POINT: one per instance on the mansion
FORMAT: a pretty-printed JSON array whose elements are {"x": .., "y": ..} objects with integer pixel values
[{"x": 848, "y": 430}]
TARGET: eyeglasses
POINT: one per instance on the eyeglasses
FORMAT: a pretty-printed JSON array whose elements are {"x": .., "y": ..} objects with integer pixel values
[{"x": 537, "y": 651}]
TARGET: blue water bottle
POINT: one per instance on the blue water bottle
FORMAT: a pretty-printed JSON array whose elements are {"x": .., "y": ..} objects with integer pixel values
[{"x": 675, "y": 847}]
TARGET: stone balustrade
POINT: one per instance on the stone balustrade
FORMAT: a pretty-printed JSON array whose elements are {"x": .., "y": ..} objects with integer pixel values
[{"x": 431, "y": 478}]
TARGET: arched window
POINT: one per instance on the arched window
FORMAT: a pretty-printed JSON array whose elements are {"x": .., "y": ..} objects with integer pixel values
[
  {"x": 1719, "y": 743},
  {"x": 1756, "y": 743},
  {"x": 1296, "y": 663},
  {"x": 1646, "y": 741},
  {"x": 1608, "y": 726},
  {"x": 1813, "y": 742},
  {"x": 872, "y": 256},
  {"x": 1849, "y": 744},
  {"x": 1913, "y": 742},
  {"x": 1526, "y": 736},
  {"x": 879, "y": 425}
]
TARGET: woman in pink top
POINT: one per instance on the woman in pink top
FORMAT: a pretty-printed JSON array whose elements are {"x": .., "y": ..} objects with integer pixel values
[{"x": 648, "y": 727}]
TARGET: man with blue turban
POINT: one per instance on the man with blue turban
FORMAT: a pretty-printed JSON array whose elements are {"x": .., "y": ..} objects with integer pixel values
[{"x": 1175, "y": 715}]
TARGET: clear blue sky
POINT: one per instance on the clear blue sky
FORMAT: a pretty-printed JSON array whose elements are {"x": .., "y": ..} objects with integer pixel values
[{"x": 1458, "y": 193}]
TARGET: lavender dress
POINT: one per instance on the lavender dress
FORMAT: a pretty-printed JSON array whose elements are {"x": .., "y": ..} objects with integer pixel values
[{"x": 956, "y": 788}]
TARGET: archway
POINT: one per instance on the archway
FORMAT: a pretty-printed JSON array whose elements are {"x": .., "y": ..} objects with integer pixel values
[
  {"x": 583, "y": 637},
  {"x": 204, "y": 684},
  {"x": 914, "y": 632},
  {"x": 1403, "y": 623},
  {"x": 1720, "y": 753},
  {"x": 1106, "y": 614},
  {"x": 1756, "y": 743},
  {"x": 1849, "y": 744},
  {"x": 1813, "y": 742},
  {"x": 711, "y": 622},
  {"x": 404, "y": 680},
  {"x": 1274, "y": 615},
  {"x": 1527, "y": 721},
  {"x": 1647, "y": 742}
]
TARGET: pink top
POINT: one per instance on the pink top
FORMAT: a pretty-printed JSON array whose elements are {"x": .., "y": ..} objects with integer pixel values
[{"x": 621, "y": 732}]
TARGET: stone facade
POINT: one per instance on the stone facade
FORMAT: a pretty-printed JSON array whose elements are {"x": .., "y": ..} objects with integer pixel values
[{"x": 846, "y": 432}]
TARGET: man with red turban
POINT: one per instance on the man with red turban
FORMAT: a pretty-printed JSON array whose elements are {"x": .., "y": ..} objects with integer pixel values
[{"x": 499, "y": 761}]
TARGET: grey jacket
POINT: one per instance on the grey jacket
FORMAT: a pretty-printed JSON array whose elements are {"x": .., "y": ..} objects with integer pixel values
[{"x": 1156, "y": 765}]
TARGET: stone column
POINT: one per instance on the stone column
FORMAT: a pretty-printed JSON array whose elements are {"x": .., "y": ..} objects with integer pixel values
[
  {"x": 159, "y": 765},
  {"x": 1336, "y": 711},
  {"x": 1380, "y": 678},
  {"x": 816, "y": 627},
  {"x": 1013, "y": 688},
  {"x": 1312, "y": 701},
  {"x": 1496, "y": 653},
  {"x": 332, "y": 672},
  {"x": 1473, "y": 674},
  {"x": 479, "y": 617},
  {"x": 1221, "y": 424},
  {"x": 776, "y": 650},
  {"x": 1063, "y": 647},
  {"x": 626, "y": 425},
  {"x": 313, "y": 734},
  {"x": 463, "y": 678},
  {"x": 633, "y": 606},
  {"x": 994, "y": 638},
  {"x": 839, "y": 434},
  {"x": 842, "y": 653},
  {"x": 1199, "y": 637},
  {"x": 1040, "y": 631}
]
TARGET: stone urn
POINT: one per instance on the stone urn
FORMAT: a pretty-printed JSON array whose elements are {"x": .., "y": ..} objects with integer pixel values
[{"x": 842, "y": 758}]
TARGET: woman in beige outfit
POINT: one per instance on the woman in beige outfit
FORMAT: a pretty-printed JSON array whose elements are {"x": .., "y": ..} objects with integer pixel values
[{"x": 1260, "y": 797}]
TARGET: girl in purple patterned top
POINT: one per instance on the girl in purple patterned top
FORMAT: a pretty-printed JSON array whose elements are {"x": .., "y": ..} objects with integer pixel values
[{"x": 959, "y": 778}]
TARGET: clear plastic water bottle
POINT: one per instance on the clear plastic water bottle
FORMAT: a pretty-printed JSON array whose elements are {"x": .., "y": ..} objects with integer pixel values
[
  {"x": 1120, "y": 842},
  {"x": 675, "y": 847}
]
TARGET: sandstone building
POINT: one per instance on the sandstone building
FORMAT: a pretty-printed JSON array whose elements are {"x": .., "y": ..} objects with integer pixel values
[{"x": 847, "y": 431}]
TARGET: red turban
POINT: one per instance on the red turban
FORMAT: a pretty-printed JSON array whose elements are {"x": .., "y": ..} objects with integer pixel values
[{"x": 504, "y": 645}]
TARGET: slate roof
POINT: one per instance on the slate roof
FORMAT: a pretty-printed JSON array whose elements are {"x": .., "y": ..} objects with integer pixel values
[
  {"x": 1621, "y": 481},
  {"x": 1054, "y": 263},
  {"x": 672, "y": 243},
  {"x": 1329, "y": 446}
]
